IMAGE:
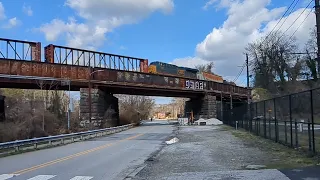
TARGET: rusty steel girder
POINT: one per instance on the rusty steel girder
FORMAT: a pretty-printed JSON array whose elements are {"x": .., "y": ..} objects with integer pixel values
[
  {"x": 42, "y": 69},
  {"x": 20, "y": 50},
  {"x": 80, "y": 57},
  {"x": 24, "y": 58},
  {"x": 113, "y": 77}
]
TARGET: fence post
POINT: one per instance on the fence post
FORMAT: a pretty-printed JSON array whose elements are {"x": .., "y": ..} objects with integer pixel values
[
  {"x": 296, "y": 131},
  {"x": 312, "y": 122},
  {"x": 256, "y": 121},
  {"x": 243, "y": 120},
  {"x": 264, "y": 120},
  {"x": 285, "y": 130},
  {"x": 290, "y": 116},
  {"x": 251, "y": 117},
  {"x": 309, "y": 135},
  {"x": 275, "y": 120},
  {"x": 269, "y": 126}
]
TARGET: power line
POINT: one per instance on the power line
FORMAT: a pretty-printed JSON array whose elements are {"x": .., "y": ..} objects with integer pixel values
[
  {"x": 239, "y": 74},
  {"x": 292, "y": 23},
  {"x": 288, "y": 15},
  {"x": 297, "y": 18},
  {"x": 281, "y": 19},
  {"x": 301, "y": 23},
  {"x": 236, "y": 78}
]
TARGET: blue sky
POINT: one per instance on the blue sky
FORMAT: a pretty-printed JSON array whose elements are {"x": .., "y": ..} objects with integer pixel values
[{"x": 182, "y": 32}]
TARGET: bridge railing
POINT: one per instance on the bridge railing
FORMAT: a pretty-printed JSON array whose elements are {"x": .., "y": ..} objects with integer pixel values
[
  {"x": 42, "y": 142},
  {"x": 116, "y": 68},
  {"x": 20, "y": 50},
  {"x": 228, "y": 88},
  {"x": 81, "y": 57}
]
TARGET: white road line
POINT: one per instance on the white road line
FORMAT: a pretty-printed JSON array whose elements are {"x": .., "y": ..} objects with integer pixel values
[
  {"x": 82, "y": 178},
  {"x": 42, "y": 177},
  {"x": 7, "y": 176}
]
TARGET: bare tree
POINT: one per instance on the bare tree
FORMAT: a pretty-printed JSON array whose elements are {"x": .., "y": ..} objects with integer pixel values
[
  {"x": 205, "y": 68},
  {"x": 274, "y": 63},
  {"x": 134, "y": 108},
  {"x": 310, "y": 70}
]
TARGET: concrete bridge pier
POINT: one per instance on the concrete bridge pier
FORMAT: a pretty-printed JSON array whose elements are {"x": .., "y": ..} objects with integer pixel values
[
  {"x": 104, "y": 107},
  {"x": 202, "y": 107}
]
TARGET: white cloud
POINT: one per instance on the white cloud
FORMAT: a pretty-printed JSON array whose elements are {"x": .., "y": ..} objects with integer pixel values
[
  {"x": 247, "y": 21},
  {"x": 209, "y": 3},
  {"x": 101, "y": 17},
  {"x": 76, "y": 34},
  {"x": 2, "y": 14},
  {"x": 13, "y": 22},
  {"x": 218, "y": 3},
  {"x": 27, "y": 10}
]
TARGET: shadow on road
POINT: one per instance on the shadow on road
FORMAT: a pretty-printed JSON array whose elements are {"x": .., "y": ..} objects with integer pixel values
[{"x": 158, "y": 122}]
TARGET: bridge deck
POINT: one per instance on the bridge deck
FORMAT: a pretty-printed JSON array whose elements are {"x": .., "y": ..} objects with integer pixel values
[{"x": 24, "y": 69}]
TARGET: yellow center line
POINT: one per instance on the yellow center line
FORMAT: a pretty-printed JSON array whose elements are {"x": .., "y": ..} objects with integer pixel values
[{"x": 71, "y": 156}]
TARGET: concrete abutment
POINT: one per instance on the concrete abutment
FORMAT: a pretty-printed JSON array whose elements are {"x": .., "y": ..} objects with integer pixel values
[
  {"x": 202, "y": 107},
  {"x": 104, "y": 107}
]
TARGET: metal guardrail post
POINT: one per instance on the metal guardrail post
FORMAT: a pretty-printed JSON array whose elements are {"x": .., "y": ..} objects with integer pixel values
[{"x": 16, "y": 145}]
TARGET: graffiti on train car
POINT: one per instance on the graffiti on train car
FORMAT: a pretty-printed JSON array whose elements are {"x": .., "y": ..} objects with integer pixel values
[
  {"x": 132, "y": 77},
  {"x": 195, "y": 84}
]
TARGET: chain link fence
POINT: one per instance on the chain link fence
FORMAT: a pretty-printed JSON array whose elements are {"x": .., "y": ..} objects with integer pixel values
[{"x": 292, "y": 120}]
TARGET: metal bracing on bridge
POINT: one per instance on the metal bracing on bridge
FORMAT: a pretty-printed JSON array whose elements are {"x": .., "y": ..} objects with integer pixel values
[
  {"x": 20, "y": 50},
  {"x": 81, "y": 57},
  {"x": 16, "y": 69}
]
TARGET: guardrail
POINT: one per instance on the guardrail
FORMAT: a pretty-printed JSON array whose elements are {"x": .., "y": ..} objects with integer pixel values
[{"x": 42, "y": 142}]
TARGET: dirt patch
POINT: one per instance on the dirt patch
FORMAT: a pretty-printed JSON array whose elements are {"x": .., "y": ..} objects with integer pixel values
[
  {"x": 281, "y": 156},
  {"x": 204, "y": 149}
]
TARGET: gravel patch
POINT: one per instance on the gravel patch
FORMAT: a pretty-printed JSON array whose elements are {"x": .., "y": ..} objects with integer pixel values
[{"x": 207, "y": 151}]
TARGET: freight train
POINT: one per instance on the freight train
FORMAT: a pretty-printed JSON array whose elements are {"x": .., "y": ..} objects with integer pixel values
[{"x": 173, "y": 70}]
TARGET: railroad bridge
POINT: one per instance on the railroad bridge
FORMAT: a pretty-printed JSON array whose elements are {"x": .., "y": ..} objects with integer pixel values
[{"x": 23, "y": 64}]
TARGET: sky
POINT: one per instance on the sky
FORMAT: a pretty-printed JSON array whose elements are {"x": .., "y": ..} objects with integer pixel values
[{"x": 182, "y": 32}]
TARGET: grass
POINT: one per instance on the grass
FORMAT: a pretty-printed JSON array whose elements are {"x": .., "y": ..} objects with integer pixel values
[{"x": 282, "y": 156}]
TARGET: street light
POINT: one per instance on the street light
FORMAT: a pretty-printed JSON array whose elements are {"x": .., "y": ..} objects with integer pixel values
[{"x": 90, "y": 113}]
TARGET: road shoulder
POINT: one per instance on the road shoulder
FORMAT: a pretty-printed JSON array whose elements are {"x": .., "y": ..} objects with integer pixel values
[{"x": 217, "y": 151}]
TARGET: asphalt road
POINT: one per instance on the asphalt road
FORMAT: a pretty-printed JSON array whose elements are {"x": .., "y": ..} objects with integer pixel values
[{"x": 111, "y": 157}]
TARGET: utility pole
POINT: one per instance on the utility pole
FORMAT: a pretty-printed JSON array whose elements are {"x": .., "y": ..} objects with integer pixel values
[
  {"x": 248, "y": 92},
  {"x": 248, "y": 83},
  {"x": 317, "y": 12}
]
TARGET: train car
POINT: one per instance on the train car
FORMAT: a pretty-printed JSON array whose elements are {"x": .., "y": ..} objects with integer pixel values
[
  {"x": 229, "y": 82},
  {"x": 189, "y": 72},
  {"x": 170, "y": 69},
  {"x": 212, "y": 77},
  {"x": 173, "y": 70}
]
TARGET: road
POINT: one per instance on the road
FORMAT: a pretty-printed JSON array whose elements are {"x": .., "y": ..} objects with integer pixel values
[{"x": 111, "y": 157}]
